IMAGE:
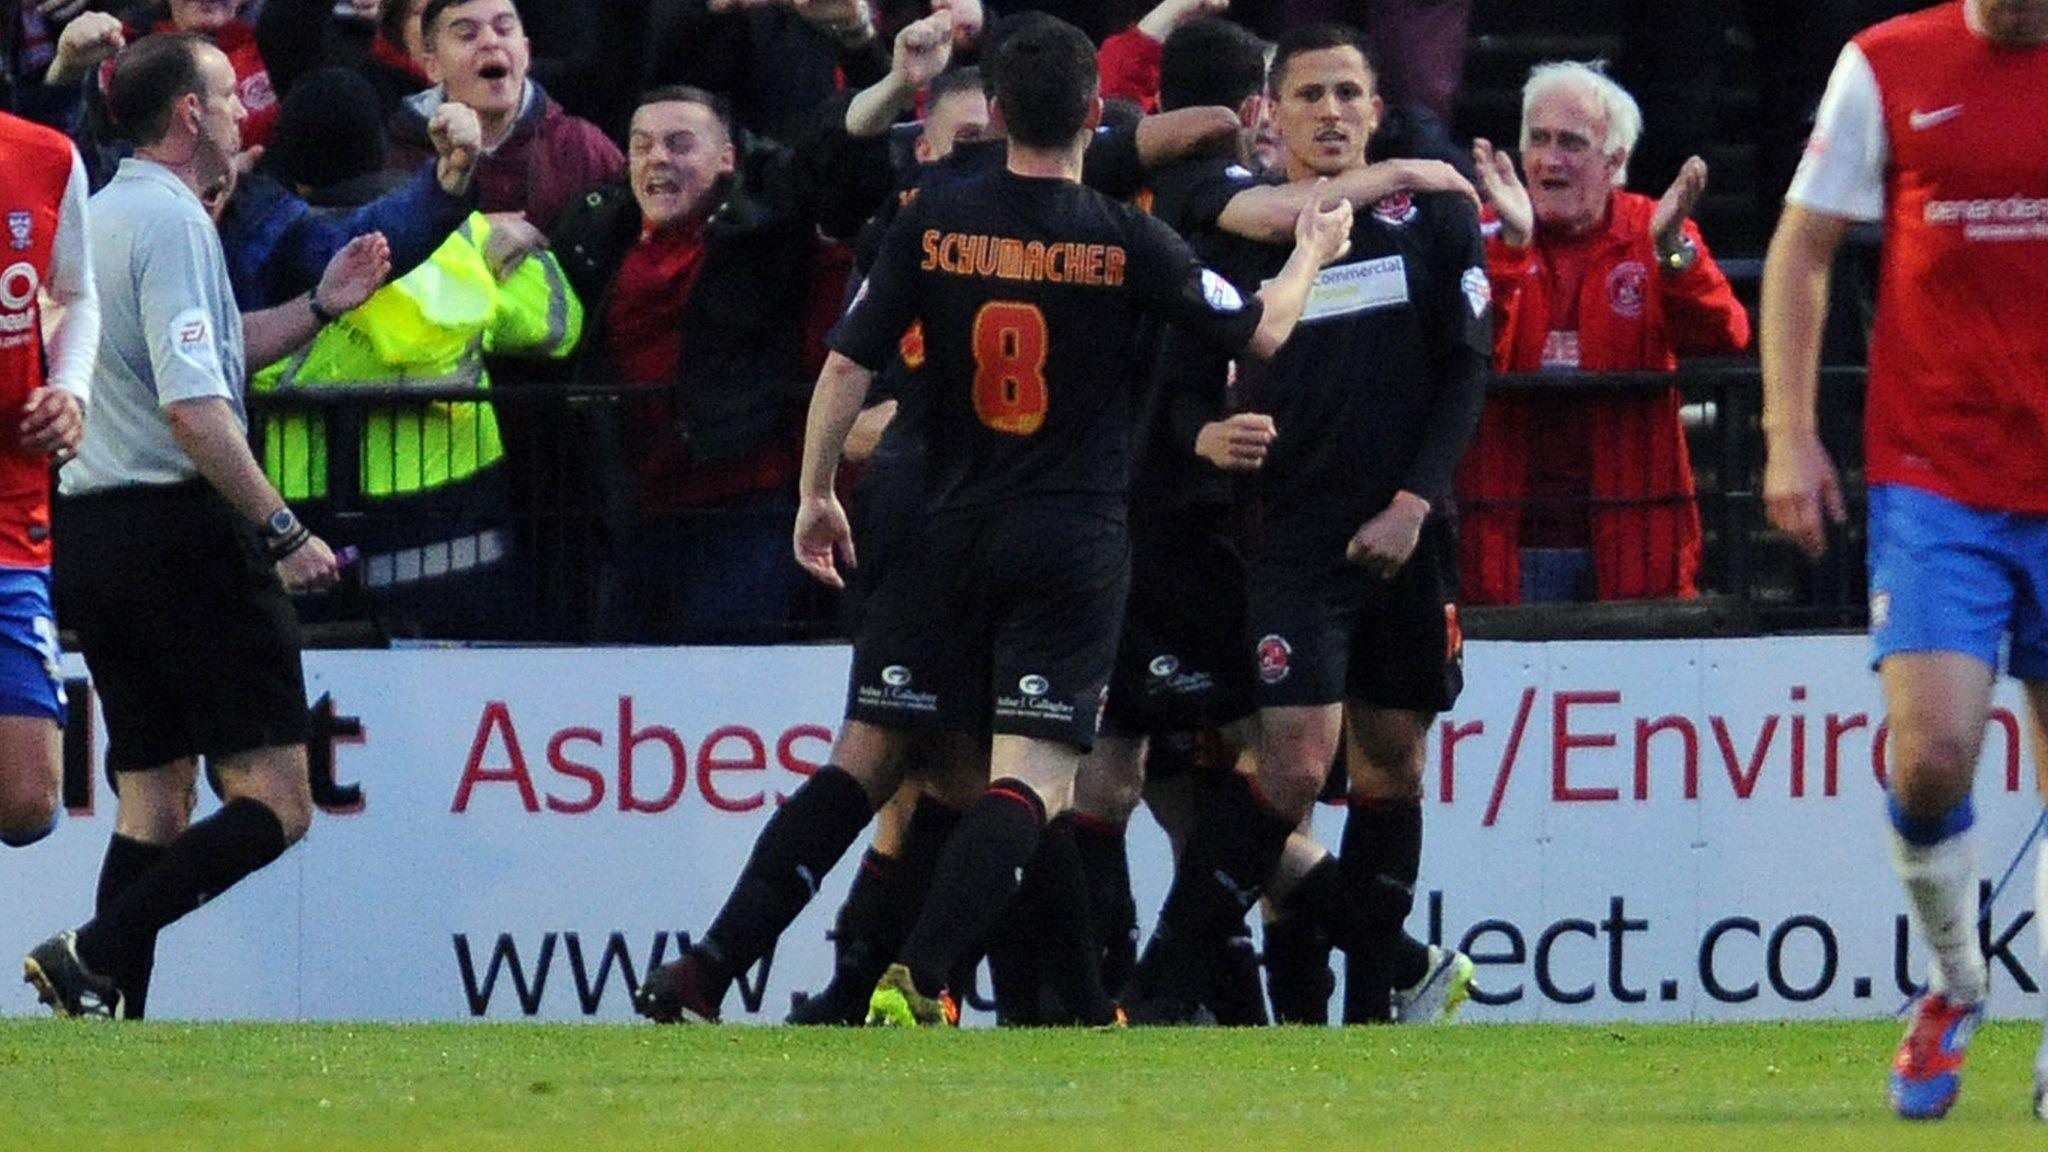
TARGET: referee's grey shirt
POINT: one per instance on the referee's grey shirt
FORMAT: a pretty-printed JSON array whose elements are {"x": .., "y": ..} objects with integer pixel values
[{"x": 169, "y": 329}]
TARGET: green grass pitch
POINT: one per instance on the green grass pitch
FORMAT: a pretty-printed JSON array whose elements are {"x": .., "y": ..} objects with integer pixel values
[{"x": 165, "y": 1087}]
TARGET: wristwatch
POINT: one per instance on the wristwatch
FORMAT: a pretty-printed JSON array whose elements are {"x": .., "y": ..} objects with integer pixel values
[
  {"x": 281, "y": 525},
  {"x": 1678, "y": 257}
]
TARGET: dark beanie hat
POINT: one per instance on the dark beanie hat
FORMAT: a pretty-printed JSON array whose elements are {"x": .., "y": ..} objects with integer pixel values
[{"x": 331, "y": 129}]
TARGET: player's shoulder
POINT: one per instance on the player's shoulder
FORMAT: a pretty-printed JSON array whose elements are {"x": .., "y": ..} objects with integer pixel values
[
  {"x": 1915, "y": 32},
  {"x": 27, "y": 143}
]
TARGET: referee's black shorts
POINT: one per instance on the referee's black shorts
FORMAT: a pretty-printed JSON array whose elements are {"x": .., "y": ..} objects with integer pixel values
[
  {"x": 1326, "y": 631},
  {"x": 191, "y": 642},
  {"x": 1001, "y": 621}
]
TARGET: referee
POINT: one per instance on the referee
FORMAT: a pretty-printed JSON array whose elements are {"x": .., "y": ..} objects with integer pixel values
[{"x": 177, "y": 553}]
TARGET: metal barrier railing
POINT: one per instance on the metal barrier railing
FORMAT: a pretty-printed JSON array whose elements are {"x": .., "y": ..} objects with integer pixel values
[{"x": 549, "y": 542}]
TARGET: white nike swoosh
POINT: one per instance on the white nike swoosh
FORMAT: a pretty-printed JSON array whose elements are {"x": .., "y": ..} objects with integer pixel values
[{"x": 1921, "y": 121}]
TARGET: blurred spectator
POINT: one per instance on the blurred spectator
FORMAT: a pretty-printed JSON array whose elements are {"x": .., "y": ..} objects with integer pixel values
[
  {"x": 378, "y": 38},
  {"x": 1419, "y": 44},
  {"x": 331, "y": 146},
  {"x": 1676, "y": 58},
  {"x": 1589, "y": 495},
  {"x": 777, "y": 60},
  {"x": 89, "y": 42},
  {"x": 422, "y": 485},
  {"x": 537, "y": 158},
  {"x": 700, "y": 268},
  {"x": 28, "y": 43},
  {"x": 1130, "y": 60},
  {"x": 697, "y": 275}
]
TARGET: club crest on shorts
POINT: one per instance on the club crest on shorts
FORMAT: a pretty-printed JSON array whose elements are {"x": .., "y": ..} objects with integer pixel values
[
  {"x": 1034, "y": 685},
  {"x": 1274, "y": 654},
  {"x": 1163, "y": 665},
  {"x": 21, "y": 228},
  {"x": 896, "y": 676}
]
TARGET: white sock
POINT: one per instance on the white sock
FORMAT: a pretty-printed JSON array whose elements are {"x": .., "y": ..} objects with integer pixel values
[{"x": 1941, "y": 894}]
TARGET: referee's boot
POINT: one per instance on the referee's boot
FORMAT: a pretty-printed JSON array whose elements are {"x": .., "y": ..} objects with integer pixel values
[
  {"x": 63, "y": 982},
  {"x": 674, "y": 994}
]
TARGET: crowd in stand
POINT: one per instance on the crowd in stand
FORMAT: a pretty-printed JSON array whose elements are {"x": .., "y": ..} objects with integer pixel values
[{"x": 664, "y": 208}]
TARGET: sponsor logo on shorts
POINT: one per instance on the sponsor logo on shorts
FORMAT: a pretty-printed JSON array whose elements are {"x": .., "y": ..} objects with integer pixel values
[
  {"x": 21, "y": 226},
  {"x": 1034, "y": 685},
  {"x": 1164, "y": 665},
  {"x": 1880, "y": 610},
  {"x": 895, "y": 694},
  {"x": 1274, "y": 654},
  {"x": 1625, "y": 286}
]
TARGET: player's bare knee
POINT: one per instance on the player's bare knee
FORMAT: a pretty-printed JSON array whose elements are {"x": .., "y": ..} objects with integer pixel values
[
  {"x": 27, "y": 814},
  {"x": 1932, "y": 770}
]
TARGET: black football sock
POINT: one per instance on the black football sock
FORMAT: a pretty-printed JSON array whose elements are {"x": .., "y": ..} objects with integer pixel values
[
  {"x": 1363, "y": 920},
  {"x": 1015, "y": 980},
  {"x": 1054, "y": 900},
  {"x": 854, "y": 929},
  {"x": 1112, "y": 914},
  {"x": 1382, "y": 847},
  {"x": 801, "y": 843},
  {"x": 126, "y": 861},
  {"x": 872, "y": 928},
  {"x": 976, "y": 879},
  {"x": 1237, "y": 842},
  {"x": 203, "y": 862},
  {"x": 1234, "y": 996},
  {"x": 1298, "y": 977}
]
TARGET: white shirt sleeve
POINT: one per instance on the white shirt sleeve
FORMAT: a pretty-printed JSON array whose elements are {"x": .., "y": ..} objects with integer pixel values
[
  {"x": 74, "y": 342},
  {"x": 1842, "y": 173},
  {"x": 184, "y": 343}
]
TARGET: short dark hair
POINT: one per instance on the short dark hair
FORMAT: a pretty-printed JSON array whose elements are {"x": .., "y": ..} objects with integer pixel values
[
  {"x": 964, "y": 78},
  {"x": 1042, "y": 70},
  {"x": 1315, "y": 38},
  {"x": 150, "y": 76},
  {"x": 1211, "y": 61},
  {"x": 431, "y": 15},
  {"x": 690, "y": 94}
]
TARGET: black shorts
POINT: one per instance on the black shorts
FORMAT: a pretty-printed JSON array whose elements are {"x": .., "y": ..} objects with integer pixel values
[
  {"x": 1324, "y": 632},
  {"x": 1180, "y": 665},
  {"x": 187, "y": 633},
  {"x": 1000, "y": 621}
]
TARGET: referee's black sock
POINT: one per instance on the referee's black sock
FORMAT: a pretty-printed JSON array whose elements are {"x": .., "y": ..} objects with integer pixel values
[
  {"x": 1382, "y": 849},
  {"x": 203, "y": 862},
  {"x": 127, "y": 861},
  {"x": 977, "y": 876},
  {"x": 799, "y": 846},
  {"x": 1236, "y": 843}
]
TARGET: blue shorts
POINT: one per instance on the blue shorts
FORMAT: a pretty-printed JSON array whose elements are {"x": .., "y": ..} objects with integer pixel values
[
  {"x": 31, "y": 683},
  {"x": 1946, "y": 577}
]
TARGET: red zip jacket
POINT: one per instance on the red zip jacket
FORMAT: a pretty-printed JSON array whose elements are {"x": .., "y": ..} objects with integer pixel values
[{"x": 1632, "y": 317}]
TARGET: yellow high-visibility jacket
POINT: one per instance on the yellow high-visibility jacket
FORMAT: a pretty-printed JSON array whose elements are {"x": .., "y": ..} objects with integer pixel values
[{"x": 431, "y": 327}]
